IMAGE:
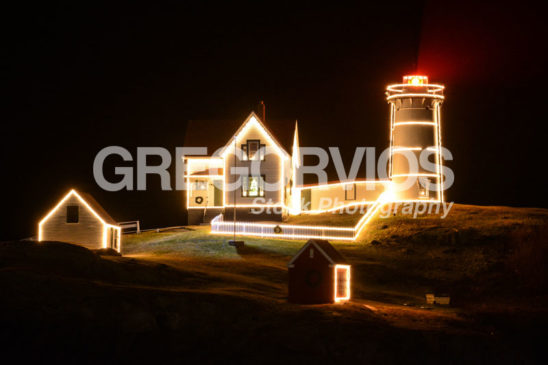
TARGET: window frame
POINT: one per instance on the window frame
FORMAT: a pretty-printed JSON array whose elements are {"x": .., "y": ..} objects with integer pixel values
[
  {"x": 346, "y": 190},
  {"x": 67, "y": 215},
  {"x": 245, "y": 150},
  {"x": 260, "y": 188},
  {"x": 200, "y": 183}
]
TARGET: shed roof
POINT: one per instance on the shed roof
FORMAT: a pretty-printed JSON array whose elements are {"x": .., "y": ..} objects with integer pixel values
[
  {"x": 325, "y": 248},
  {"x": 87, "y": 199},
  {"x": 98, "y": 208}
]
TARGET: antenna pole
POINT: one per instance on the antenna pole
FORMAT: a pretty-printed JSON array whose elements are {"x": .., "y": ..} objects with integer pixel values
[{"x": 234, "y": 194}]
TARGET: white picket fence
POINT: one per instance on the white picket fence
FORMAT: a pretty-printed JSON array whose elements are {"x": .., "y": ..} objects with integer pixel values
[
  {"x": 281, "y": 230},
  {"x": 287, "y": 231}
]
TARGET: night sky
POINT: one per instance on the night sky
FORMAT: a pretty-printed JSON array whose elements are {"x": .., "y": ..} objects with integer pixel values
[{"x": 82, "y": 77}]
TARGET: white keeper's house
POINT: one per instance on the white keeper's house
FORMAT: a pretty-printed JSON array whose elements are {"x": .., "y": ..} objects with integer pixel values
[{"x": 272, "y": 148}]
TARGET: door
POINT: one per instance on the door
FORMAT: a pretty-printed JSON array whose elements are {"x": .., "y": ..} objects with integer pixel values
[{"x": 112, "y": 238}]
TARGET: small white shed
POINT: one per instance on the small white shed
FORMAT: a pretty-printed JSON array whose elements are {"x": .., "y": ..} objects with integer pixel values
[{"x": 79, "y": 219}]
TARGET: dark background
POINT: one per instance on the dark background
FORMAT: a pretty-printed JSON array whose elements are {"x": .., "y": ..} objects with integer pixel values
[{"x": 84, "y": 76}]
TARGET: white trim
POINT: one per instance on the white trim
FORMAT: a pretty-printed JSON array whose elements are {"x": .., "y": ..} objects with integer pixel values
[
  {"x": 106, "y": 225},
  {"x": 292, "y": 262},
  {"x": 253, "y": 118}
]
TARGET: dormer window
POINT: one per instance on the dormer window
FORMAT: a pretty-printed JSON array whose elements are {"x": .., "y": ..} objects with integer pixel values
[{"x": 253, "y": 150}]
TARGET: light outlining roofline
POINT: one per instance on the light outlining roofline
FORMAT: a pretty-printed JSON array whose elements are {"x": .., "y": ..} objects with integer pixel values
[
  {"x": 75, "y": 193},
  {"x": 72, "y": 192},
  {"x": 252, "y": 120},
  {"x": 346, "y": 282},
  {"x": 304, "y": 248}
]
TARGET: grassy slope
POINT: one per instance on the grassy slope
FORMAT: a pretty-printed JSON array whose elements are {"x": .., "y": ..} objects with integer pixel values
[
  {"x": 408, "y": 257},
  {"x": 176, "y": 292},
  {"x": 327, "y": 219}
]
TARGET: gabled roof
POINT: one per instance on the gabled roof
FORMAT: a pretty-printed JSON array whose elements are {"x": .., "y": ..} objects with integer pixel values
[
  {"x": 253, "y": 118},
  {"x": 216, "y": 134},
  {"x": 89, "y": 202},
  {"x": 98, "y": 208},
  {"x": 325, "y": 248}
]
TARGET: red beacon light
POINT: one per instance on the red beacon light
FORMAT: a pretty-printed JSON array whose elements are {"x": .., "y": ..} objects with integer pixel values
[
  {"x": 414, "y": 85},
  {"x": 415, "y": 80}
]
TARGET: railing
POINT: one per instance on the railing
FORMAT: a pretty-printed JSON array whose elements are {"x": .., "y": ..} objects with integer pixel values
[
  {"x": 286, "y": 231},
  {"x": 131, "y": 224}
]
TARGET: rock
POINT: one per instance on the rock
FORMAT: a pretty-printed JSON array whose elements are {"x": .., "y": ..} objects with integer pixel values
[{"x": 375, "y": 243}]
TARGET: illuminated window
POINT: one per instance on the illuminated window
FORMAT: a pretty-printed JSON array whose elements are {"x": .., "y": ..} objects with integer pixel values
[
  {"x": 253, "y": 186},
  {"x": 200, "y": 185},
  {"x": 424, "y": 188},
  {"x": 253, "y": 150},
  {"x": 73, "y": 214},
  {"x": 350, "y": 192}
]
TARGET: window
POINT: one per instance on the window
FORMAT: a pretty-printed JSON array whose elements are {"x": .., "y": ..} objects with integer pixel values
[
  {"x": 424, "y": 188},
  {"x": 200, "y": 185},
  {"x": 253, "y": 150},
  {"x": 350, "y": 192},
  {"x": 253, "y": 186},
  {"x": 73, "y": 214}
]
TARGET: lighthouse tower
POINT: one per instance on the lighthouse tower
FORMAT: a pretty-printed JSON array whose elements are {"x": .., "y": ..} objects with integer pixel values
[{"x": 414, "y": 129}]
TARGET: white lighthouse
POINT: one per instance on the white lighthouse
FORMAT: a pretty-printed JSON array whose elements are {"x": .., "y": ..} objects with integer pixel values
[{"x": 414, "y": 130}]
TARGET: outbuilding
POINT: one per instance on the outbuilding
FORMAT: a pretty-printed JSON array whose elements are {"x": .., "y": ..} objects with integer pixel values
[
  {"x": 79, "y": 219},
  {"x": 318, "y": 274}
]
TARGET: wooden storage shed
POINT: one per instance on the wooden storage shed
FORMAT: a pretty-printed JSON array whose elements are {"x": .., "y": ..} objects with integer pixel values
[
  {"x": 318, "y": 274},
  {"x": 79, "y": 219}
]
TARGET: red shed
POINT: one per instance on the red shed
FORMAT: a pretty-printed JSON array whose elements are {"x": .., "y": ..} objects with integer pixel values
[{"x": 318, "y": 274}]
